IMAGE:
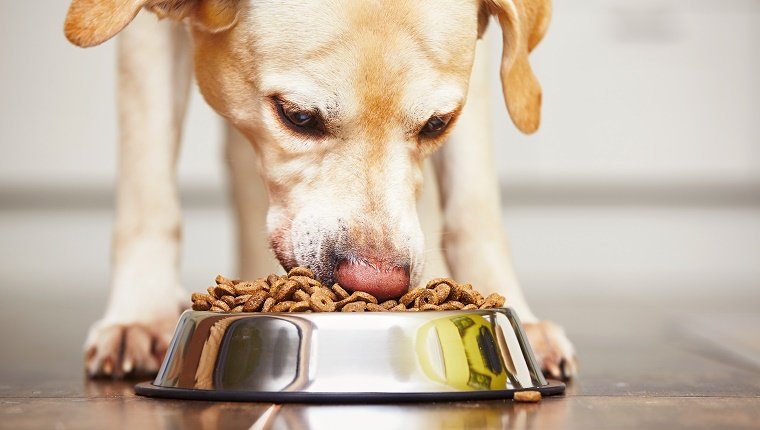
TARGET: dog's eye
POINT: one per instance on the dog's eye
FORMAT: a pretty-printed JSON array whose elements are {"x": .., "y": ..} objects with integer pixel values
[
  {"x": 300, "y": 118},
  {"x": 302, "y": 121},
  {"x": 435, "y": 126}
]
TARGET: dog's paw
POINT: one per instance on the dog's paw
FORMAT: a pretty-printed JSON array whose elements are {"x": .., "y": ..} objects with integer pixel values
[
  {"x": 127, "y": 350},
  {"x": 553, "y": 349}
]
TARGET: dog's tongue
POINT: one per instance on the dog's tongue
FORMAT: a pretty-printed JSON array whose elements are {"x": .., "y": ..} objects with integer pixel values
[{"x": 381, "y": 280}]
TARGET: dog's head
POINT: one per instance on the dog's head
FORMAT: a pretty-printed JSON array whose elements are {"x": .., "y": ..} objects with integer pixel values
[{"x": 342, "y": 101}]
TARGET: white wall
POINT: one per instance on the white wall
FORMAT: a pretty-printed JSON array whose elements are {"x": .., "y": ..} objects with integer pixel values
[
  {"x": 644, "y": 92},
  {"x": 57, "y": 108},
  {"x": 635, "y": 92}
]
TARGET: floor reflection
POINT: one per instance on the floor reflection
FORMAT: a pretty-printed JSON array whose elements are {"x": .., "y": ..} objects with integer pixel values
[
  {"x": 455, "y": 416},
  {"x": 504, "y": 414},
  {"x": 550, "y": 413}
]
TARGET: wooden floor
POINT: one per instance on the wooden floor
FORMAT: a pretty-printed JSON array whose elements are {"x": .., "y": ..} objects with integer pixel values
[{"x": 666, "y": 363}]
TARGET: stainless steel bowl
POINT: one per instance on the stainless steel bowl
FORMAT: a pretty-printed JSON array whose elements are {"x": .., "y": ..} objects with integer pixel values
[{"x": 348, "y": 357}]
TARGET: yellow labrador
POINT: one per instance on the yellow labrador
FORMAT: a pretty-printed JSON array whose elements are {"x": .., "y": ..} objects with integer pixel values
[{"x": 342, "y": 101}]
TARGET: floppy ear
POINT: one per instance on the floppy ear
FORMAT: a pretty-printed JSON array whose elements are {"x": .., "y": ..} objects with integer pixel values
[
  {"x": 523, "y": 24},
  {"x": 92, "y": 22}
]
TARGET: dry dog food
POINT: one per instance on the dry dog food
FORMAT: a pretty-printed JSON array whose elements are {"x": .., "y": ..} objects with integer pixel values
[
  {"x": 530, "y": 396},
  {"x": 298, "y": 291}
]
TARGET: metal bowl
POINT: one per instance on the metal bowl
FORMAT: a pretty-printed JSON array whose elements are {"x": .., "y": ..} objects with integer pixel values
[{"x": 348, "y": 357}]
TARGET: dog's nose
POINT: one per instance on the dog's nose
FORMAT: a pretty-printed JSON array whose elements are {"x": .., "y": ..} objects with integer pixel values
[{"x": 382, "y": 280}]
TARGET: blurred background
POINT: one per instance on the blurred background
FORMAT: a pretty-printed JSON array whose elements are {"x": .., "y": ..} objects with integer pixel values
[{"x": 642, "y": 185}]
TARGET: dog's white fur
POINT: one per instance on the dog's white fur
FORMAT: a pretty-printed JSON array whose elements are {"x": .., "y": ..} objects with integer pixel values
[{"x": 371, "y": 163}]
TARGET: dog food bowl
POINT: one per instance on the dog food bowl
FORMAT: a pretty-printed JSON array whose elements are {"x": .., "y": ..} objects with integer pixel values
[{"x": 348, "y": 357}]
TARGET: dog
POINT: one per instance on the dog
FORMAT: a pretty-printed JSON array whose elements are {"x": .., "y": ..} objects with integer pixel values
[{"x": 342, "y": 102}]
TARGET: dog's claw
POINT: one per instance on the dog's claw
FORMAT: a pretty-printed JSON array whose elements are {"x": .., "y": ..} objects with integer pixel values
[
  {"x": 553, "y": 350},
  {"x": 128, "y": 366},
  {"x": 107, "y": 366},
  {"x": 126, "y": 350}
]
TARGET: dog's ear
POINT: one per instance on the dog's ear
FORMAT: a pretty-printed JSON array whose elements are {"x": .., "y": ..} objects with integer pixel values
[
  {"x": 523, "y": 24},
  {"x": 92, "y": 22}
]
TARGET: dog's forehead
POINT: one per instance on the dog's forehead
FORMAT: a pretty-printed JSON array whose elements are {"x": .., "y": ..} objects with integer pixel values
[
  {"x": 309, "y": 28},
  {"x": 332, "y": 45}
]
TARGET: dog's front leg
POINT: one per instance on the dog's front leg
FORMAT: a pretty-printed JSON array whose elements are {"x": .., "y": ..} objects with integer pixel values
[
  {"x": 144, "y": 303},
  {"x": 474, "y": 241}
]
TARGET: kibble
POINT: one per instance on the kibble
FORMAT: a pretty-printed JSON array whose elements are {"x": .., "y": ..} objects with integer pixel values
[
  {"x": 530, "y": 396},
  {"x": 299, "y": 291}
]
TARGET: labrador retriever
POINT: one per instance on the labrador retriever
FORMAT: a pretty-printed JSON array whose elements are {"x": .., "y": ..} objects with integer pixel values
[{"x": 342, "y": 102}]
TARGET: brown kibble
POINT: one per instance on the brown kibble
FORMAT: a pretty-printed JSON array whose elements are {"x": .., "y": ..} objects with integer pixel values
[
  {"x": 230, "y": 300},
  {"x": 321, "y": 303},
  {"x": 222, "y": 290},
  {"x": 339, "y": 291},
  {"x": 365, "y": 297},
  {"x": 222, "y": 305},
  {"x": 389, "y": 304},
  {"x": 354, "y": 307},
  {"x": 244, "y": 288},
  {"x": 286, "y": 290},
  {"x": 306, "y": 283},
  {"x": 493, "y": 300},
  {"x": 326, "y": 291},
  {"x": 277, "y": 285},
  {"x": 306, "y": 288},
  {"x": 357, "y": 296},
  {"x": 240, "y": 300},
  {"x": 268, "y": 304},
  {"x": 435, "y": 282},
  {"x": 199, "y": 297},
  {"x": 371, "y": 307},
  {"x": 301, "y": 295},
  {"x": 442, "y": 291},
  {"x": 531, "y": 396},
  {"x": 452, "y": 305},
  {"x": 282, "y": 306},
  {"x": 350, "y": 299},
  {"x": 301, "y": 271},
  {"x": 221, "y": 280},
  {"x": 201, "y": 305},
  {"x": 456, "y": 292},
  {"x": 427, "y": 297},
  {"x": 255, "y": 302},
  {"x": 409, "y": 297},
  {"x": 300, "y": 306},
  {"x": 300, "y": 292},
  {"x": 470, "y": 297}
]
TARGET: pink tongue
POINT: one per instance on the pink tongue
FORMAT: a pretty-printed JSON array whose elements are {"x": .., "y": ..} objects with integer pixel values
[{"x": 383, "y": 282}]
